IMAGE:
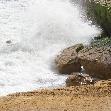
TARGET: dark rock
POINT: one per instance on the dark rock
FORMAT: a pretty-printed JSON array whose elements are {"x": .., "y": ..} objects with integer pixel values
[
  {"x": 8, "y": 41},
  {"x": 96, "y": 61},
  {"x": 67, "y": 61},
  {"x": 77, "y": 79}
]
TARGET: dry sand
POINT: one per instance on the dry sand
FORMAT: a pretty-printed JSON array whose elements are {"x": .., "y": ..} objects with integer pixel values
[{"x": 81, "y": 98}]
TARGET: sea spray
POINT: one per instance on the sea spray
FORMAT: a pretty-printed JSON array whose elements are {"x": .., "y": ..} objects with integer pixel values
[{"x": 38, "y": 30}]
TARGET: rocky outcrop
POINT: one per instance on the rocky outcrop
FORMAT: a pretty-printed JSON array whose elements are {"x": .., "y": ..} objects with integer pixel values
[
  {"x": 67, "y": 61},
  {"x": 77, "y": 79},
  {"x": 96, "y": 61}
]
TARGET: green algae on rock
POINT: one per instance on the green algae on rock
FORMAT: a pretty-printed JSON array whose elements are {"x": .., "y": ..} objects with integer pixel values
[
  {"x": 100, "y": 12},
  {"x": 99, "y": 42}
]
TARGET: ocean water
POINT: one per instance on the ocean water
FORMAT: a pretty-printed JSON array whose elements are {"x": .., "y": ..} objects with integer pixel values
[{"x": 38, "y": 31}]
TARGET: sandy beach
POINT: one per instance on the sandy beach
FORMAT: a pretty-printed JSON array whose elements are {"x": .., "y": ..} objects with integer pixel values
[{"x": 81, "y": 98}]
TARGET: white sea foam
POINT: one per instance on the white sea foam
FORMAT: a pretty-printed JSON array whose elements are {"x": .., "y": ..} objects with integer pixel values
[{"x": 38, "y": 29}]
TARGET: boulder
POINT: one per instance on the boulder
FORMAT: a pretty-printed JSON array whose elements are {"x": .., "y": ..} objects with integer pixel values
[
  {"x": 67, "y": 62},
  {"x": 77, "y": 79},
  {"x": 96, "y": 61}
]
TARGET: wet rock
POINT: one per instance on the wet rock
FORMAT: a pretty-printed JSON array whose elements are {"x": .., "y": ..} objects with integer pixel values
[
  {"x": 8, "y": 41},
  {"x": 67, "y": 61},
  {"x": 96, "y": 61},
  {"x": 77, "y": 79}
]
